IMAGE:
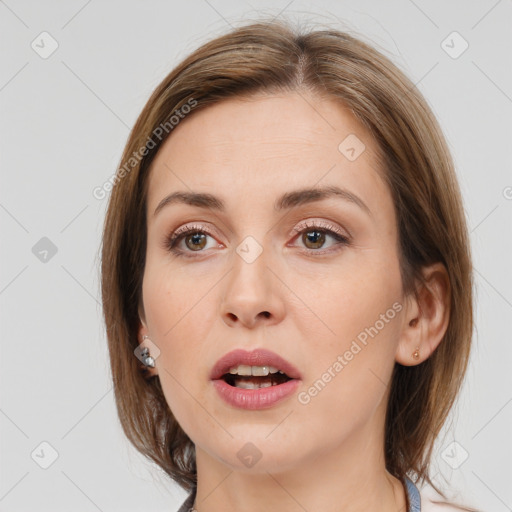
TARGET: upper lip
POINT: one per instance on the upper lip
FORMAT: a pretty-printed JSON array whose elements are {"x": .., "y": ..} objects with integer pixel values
[{"x": 258, "y": 357}]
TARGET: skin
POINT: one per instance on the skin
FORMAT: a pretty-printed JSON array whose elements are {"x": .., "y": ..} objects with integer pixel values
[{"x": 327, "y": 454}]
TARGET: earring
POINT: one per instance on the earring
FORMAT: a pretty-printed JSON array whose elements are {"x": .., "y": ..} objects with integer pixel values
[
  {"x": 146, "y": 358},
  {"x": 416, "y": 353}
]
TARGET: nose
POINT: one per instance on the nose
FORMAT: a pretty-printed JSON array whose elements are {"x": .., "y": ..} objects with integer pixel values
[{"x": 252, "y": 294}]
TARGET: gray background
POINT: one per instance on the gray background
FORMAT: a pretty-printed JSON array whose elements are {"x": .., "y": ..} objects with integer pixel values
[{"x": 64, "y": 121}]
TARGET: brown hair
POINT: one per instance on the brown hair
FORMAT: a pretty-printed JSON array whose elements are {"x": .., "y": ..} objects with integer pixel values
[{"x": 413, "y": 155}]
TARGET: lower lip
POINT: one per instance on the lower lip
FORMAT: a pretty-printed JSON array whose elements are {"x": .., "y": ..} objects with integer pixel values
[{"x": 261, "y": 398}]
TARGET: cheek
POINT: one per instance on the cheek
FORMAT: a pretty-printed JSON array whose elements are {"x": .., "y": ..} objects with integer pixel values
[
  {"x": 354, "y": 333},
  {"x": 172, "y": 310},
  {"x": 172, "y": 296},
  {"x": 347, "y": 378},
  {"x": 335, "y": 304},
  {"x": 179, "y": 312}
]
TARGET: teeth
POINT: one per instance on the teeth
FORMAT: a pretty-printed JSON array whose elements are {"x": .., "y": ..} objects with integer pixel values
[
  {"x": 252, "y": 385},
  {"x": 257, "y": 371}
]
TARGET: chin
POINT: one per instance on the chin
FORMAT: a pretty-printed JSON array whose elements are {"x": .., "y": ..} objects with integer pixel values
[{"x": 255, "y": 453}]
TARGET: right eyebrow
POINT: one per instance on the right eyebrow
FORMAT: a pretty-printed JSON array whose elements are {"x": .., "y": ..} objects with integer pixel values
[{"x": 202, "y": 200}]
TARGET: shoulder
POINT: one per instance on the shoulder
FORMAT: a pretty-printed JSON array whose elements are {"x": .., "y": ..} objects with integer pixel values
[{"x": 431, "y": 501}]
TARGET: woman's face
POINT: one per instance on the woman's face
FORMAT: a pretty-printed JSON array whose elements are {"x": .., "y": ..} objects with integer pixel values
[{"x": 265, "y": 273}]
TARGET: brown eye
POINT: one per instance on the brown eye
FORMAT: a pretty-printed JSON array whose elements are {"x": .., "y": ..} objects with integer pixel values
[
  {"x": 313, "y": 239},
  {"x": 188, "y": 240},
  {"x": 195, "y": 241}
]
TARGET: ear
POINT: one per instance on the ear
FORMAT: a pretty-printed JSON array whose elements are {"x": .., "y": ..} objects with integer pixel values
[
  {"x": 426, "y": 317},
  {"x": 153, "y": 349}
]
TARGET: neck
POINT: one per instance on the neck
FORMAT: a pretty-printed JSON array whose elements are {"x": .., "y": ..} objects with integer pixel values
[{"x": 350, "y": 477}]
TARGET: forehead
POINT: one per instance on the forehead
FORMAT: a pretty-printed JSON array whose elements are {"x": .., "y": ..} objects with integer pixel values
[{"x": 255, "y": 146}]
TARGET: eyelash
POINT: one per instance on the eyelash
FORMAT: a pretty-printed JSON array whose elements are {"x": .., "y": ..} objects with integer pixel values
[{"x": 172, "y": 240}]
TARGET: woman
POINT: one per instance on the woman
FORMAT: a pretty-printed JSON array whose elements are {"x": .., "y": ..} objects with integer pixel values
[{"x": 286, "y": 277}]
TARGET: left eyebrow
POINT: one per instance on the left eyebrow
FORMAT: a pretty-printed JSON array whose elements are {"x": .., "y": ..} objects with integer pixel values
[
  {"x": 310, "y": 195},
  {"x": 287, "y": 201}
]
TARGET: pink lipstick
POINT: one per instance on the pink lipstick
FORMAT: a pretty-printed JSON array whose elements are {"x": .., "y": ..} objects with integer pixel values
[{"x": 254, "y": 380}]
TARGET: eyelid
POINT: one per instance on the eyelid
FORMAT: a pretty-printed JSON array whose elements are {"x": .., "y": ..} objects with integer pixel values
[
  {"x": 189, "y": 227},
  {"x": 323, "y": 224}
]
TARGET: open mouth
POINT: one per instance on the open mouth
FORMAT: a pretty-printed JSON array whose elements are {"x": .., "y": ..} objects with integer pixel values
[{"x": 255, "y": 382}]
